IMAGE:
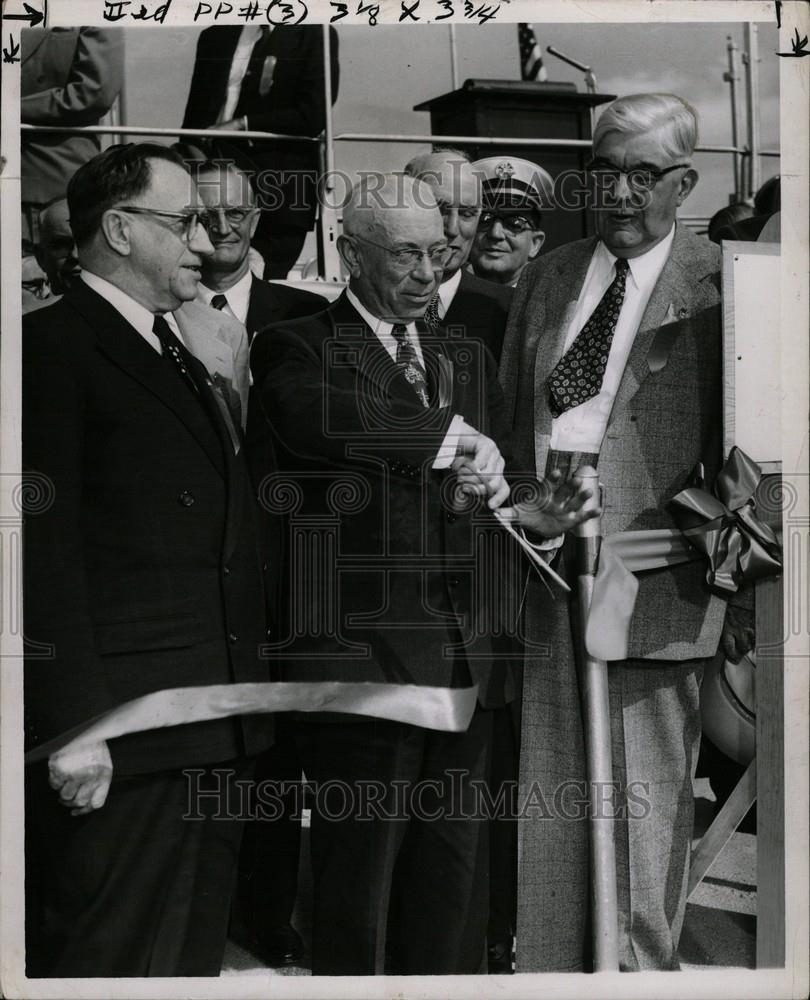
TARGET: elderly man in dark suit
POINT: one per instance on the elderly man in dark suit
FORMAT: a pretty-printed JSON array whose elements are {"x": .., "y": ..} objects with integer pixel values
[
  {"x": 613, "y": 355},
  {"x": 269, "y": 79},
  {"x": 375, "y": 416},
  {"x": 146, "y": 572},
  {"x": 464, "y": 302},
  {"x": 69, "y": 76}
]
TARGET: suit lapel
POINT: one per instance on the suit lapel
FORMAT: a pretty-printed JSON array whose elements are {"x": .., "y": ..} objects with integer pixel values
[
  {"x": 262, "y": 307},
  {"x": 555, "y": 303},
  {"x": 668, "y": 303},
  {"x": 371, "y": 359},
  {"x": 126, "y": 348}
]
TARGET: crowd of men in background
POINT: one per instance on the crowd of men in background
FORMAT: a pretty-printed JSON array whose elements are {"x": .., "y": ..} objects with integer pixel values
[{"x": 168, "y": 380}]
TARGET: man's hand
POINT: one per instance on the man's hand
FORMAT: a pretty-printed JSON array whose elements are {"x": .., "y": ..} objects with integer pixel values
[
  {"x": 479, "y": 466},
  {"x": 738, "y": 633},
  {"x": 556, "y": 507},
  {"x": 82, "y": 777}
]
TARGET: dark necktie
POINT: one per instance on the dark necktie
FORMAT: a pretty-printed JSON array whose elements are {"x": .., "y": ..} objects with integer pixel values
[
  {"x": 219, "y": 301},
  {"x": 432, "y": 318},
  {"x": 174, "y": 352},
  {"x": 408, "y": 363},
  {"x": 178, "y": 357},
  {"x": 579, "y": 373}
]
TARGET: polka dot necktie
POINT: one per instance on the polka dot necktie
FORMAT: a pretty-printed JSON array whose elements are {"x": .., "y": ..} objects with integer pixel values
[
  {"x": 174, "y": 352},
  {"x": 408, "y": 363},
  {"x": 579, "y": 373}
]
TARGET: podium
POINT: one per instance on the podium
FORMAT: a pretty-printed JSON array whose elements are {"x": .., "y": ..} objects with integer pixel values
[{"x": 526, "y": 109}]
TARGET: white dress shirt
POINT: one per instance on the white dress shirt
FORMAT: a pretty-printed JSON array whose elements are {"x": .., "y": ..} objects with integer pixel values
[
  {"x": 382, "y": 330},
  {"x": 239, "y": 64},
  {"x": 237, "y": 297},
  {"x": 583, "y": 427}
]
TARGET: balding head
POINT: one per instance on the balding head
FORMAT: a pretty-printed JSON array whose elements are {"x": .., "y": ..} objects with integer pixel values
[
  {"x": 386, "y": 216},
  {"x": 457, "y": 188}
]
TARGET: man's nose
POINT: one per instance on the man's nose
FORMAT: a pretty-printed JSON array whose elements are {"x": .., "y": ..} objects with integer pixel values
[
  {"x": 200, "y": 243},
  {"x": 451, "y": 223},
  {"x": 425, "y": 270},
  {"x": 218, "y": 221},
  {"x": 496, "y": 230}
]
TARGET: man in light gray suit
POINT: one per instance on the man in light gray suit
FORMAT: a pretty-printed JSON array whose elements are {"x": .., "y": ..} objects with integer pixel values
[{"x": 613, "y": 355}]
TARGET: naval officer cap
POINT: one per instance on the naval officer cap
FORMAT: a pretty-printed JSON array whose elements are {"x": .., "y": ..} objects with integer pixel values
[{"x": 510, "y": 182}]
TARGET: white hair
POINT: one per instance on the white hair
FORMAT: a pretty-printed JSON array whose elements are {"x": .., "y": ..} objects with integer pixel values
[{"x": 675, "y": 121}]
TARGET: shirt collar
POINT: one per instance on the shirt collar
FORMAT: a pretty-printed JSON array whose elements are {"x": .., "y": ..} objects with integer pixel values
[
  {"x": 646, "y": 268},
  {"x": 447, "y": 292},
  {"x": 382, "y": 328},
  {"x": 237, "y": 296},
  {"x": 133, "y": 312}
]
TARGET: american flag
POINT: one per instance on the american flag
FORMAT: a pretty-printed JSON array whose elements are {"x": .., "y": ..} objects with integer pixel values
[{"x": 531, "y": 59}]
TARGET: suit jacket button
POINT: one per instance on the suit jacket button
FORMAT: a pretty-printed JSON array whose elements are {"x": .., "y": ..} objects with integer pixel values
[
  {"x": 186, "y": 498},
  {"x": 232, "y": 637}
]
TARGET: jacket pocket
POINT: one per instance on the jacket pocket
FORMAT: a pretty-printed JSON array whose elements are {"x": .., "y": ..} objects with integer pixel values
[{"x": 169, "y": 631}]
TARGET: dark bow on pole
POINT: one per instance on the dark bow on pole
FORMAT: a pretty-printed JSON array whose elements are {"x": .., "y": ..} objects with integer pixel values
[{"x": 724, "y": 526}]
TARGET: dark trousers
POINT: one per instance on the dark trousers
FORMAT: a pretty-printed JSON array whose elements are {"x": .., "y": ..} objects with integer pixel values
[
  {"x": 398, "y": 847},
  {"x": 268, "y": 858},
  {"x": 503, "y": 776},
  {"x": 140, "y": 887}
]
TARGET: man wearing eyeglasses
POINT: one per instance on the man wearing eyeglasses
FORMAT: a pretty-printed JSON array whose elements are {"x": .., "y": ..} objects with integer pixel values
[
  {"x": 613, "y": 356},
  {"x": 464, "y": 302},
  {"x": 509, "y": 230},
  {"x": 146, "y": 572},
  {"x": 376, "y": 416},
  {"x": 232, "y": 216}
]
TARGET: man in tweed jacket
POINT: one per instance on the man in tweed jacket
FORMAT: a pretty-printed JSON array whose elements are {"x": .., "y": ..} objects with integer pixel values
[{"x": 652, "y": 415}]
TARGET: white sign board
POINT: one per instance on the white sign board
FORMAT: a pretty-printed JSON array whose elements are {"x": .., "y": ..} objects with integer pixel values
[{"x": 752, "y": 398}]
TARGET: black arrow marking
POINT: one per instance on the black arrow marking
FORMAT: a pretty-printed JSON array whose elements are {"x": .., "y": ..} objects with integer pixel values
[
  {"x": 34, "y": 17},
  {"x": 10, "y": 54}
]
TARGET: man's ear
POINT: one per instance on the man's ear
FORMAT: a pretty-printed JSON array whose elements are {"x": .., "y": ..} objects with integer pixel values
[
  {"x": 688, "y": 182},
  {"x": 255, "y": 222},
  {"x": 116, "y": 229},
  {"x": 538, "y": 239},
  {"x": 348, "y": 254}
]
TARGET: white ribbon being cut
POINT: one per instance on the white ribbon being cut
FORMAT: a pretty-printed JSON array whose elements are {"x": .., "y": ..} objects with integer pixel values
[{"x": 445, "y": 709}]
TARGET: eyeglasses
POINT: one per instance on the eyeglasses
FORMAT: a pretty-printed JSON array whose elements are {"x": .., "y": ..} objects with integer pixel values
[
  {"x": 410, "y": 258},
  {"x": 233, "y": 216},
  {"x": 638, "y": 178},
  {"x": 191, "y": 220},
  {"x": 514, "y": 225}
]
